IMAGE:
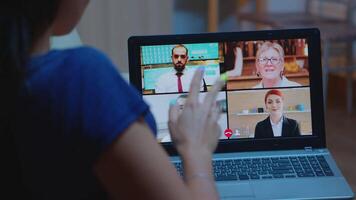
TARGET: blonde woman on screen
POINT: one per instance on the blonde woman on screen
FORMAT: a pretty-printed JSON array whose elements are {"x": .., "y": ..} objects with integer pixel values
[{"x": 270, "y": 66}]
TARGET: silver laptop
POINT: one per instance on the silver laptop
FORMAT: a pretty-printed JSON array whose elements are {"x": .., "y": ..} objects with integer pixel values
[{"x": 272, "y": 143}]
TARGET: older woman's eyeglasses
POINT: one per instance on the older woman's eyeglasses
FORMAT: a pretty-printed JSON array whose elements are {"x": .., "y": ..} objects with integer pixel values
[{"x": 265, "y": 60}]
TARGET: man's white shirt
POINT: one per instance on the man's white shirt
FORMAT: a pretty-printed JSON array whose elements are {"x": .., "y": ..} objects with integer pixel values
[{"x": 168, "y": 82}]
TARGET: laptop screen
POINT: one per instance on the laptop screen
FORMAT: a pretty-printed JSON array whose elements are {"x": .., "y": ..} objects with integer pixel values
[
  {"x": 267, "y": 94},
  {"x": 273, "y": 97}
]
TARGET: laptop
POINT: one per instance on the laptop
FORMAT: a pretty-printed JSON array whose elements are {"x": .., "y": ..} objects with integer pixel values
[{"x": 264, "y": 152}]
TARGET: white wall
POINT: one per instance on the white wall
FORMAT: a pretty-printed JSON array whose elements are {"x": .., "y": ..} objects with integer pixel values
[{"x": 107, "y": 24}]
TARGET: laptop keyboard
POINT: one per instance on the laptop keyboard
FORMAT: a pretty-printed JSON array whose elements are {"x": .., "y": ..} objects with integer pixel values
[{"x": 268, "y": 168}]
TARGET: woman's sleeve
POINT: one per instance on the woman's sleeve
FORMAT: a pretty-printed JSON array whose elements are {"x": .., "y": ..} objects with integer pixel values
[
  {"x": 108, "y": 104},
  {"x": 257, "y": 130},
  {"x": 297, "y": 129}
]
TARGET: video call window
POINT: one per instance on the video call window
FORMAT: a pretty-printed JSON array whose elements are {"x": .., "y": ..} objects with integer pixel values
[
  {"x": 267, "y": 92},
  {"x": 159, "y": 105},
  {"x": 170, "y": 68},
  {"x": 266, "y": 64},
  {"x": 247, "y": 108}
]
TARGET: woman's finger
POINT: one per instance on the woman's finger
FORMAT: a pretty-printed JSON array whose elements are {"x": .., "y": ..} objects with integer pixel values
[
  {"x": 214, "y": 118},
  {"x": 215, "y": 113},
  {"x": 194, "y": 90},
  {"x": 173, "y": 112},
  {"x": 210, "y": 98}
]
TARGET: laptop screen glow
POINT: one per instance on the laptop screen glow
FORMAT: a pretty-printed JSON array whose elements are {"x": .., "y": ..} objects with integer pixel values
[{"x": 267, "y": 92}]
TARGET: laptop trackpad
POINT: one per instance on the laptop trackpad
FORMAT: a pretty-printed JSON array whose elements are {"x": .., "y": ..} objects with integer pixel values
[{"x": 235, "y": 190}]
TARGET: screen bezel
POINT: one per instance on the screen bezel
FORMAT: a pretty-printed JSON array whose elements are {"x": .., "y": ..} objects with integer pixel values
[{"x": 317, "y": 140}]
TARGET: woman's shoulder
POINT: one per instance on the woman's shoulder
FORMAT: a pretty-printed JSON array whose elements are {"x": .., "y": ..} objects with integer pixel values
[
  {"x": 263, "y": 122},
  {"x": 259, "y": 85},
  {"x": 69, "y": 60},
  {"x": 85, "y": 54},
  {"x": 288, "y": 83},
  {"x": 76, "y": 67},
  {"x": 290, "y": 120},
  {"x": 82, "y": 50},
  {"x": 87, "y": 60}
]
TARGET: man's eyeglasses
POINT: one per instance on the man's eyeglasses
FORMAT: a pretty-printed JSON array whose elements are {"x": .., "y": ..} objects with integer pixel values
[
  {"x": 273, "y": 61},
  {"x": 176, "y": 56}
]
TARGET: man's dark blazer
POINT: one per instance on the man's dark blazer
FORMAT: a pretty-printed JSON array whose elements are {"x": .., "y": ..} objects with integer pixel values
[{"x": 290, "y": 128}]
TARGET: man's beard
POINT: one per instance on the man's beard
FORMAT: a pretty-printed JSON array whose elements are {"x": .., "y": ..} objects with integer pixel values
[{"x": 179, "y": 68}]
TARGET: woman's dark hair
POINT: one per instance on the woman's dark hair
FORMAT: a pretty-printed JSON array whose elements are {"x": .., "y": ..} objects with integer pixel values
[{"x": 22, "y": 22}]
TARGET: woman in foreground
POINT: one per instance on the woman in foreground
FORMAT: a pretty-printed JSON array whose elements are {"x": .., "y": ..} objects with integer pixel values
[{"x": 80, "y": 131}]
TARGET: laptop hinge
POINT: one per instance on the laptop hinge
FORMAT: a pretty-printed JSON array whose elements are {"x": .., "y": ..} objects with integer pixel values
[{"x": 308, "y": 149}]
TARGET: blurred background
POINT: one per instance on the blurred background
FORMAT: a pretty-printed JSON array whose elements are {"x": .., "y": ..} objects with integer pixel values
[{"x": 108, "y": 24}]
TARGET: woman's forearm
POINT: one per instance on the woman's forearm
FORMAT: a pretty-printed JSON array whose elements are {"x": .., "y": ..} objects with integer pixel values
[{"x": 198, "y": 174}]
